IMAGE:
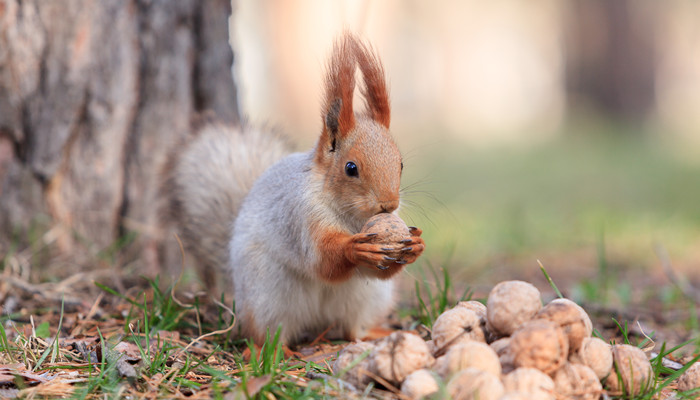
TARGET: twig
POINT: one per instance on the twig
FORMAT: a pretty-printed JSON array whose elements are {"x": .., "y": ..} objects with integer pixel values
[
  {"x": 42, "y": 290},
  {"x": 233, "y": 323}
]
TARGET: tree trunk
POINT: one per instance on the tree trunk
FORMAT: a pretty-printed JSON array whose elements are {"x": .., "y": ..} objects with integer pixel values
[
  {"x": 93, "y": 97},
  {"x": 610, "y": 57}
]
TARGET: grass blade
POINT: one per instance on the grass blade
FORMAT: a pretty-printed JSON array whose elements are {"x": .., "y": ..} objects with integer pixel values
[{"x": 550, "y": 281}]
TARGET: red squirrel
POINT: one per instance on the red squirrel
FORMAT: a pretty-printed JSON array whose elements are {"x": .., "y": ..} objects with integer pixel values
[{"x": 286, "y": 226}]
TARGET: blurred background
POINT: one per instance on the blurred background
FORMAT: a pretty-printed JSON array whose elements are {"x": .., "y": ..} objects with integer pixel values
[{"x": 567, "y": 132}]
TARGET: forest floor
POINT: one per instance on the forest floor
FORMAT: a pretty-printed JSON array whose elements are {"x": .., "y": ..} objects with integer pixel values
[
  {"x": 129, "y": 337},
  {"x": 615, "y": 224}
]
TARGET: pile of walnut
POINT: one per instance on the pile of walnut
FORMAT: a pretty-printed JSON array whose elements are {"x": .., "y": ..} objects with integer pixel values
[{"x": 512, "y": 348}]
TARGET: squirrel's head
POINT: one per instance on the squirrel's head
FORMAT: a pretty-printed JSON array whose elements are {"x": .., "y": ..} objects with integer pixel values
[{"x": 356, "y": 154}]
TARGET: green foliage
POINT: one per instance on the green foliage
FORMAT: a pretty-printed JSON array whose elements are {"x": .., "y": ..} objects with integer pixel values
[
  {"x": 670, "y": 375},
  {"x": 436, "y": 296},
  {"x": 163, "y": 313},
  {"x": 550, "y": 280},
  {"x": 5, "y": 344},
  {"x": 106, "y": 381},
  {"x": 43, "y": 330},
  {"x": 267, "y": 374},
  {"x": 52, "y": 349}
]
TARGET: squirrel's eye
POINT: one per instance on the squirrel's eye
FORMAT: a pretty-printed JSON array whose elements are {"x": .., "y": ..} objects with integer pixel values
[{"x": 351, "y": 169}]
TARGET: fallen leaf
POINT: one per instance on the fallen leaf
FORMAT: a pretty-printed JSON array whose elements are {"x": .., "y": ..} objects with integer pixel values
[{"x": 9, "y": 372}]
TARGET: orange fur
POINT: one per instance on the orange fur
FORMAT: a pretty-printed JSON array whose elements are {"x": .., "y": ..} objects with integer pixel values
[
  {"x": 374, "y": 89},
  {"x": 337, "y": 251},
  {"x": 340, "y": 84},
  {"x": 334, "y": 266}
]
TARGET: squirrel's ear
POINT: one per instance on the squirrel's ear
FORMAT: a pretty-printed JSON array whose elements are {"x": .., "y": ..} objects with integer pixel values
[
  {"x": 338, "y": 116},
  {"x": 374, "y": 89},
  {"x": 332, "y": 123}
]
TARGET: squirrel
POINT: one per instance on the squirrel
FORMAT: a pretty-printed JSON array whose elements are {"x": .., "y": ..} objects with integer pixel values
[{"x": 286, "y": 226}]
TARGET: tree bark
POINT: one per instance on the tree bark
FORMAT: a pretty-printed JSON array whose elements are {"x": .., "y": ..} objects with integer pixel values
[
  {"x": 93, "y": 97},
  {"x": 610, "y": 57}
]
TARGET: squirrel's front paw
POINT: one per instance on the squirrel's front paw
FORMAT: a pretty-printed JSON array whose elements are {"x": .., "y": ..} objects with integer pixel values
[
  {"x": 362, "y": 250},
  {"x": 413, "y": 247}
]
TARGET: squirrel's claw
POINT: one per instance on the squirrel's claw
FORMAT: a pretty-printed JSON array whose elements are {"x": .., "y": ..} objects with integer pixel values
[
  {"x": 375, "y": 254},
  {"x": 415, "y": 231}
]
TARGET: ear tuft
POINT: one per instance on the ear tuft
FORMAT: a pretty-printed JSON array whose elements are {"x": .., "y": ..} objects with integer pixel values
[
  {"x": 374, "y": 89},
  {"x": 340, "y": 87}
]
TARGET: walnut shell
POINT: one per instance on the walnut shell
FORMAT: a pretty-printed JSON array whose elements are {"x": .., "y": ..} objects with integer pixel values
[
  {"x": 596, "y": 354},
  {"x": 389, "y": 229},
  {"x": 690, "y": 379},
  {"x": 480, "y": 310},
  {"x": 398, "y": 355},
  {"x": 530, "y": 381},
  {"x": 420, "y": 384},
  {"x": 577, "y": 382},
  {"x": 505, "y": 354},
  {"x": 470, "y": 354},
  {"x": 632, "y": 373},
  {"x": 474, "y": 384},
  {"x": 457, "y": 325},
  {"x": 510, "y": 304},
  {"x": 571, "y": 317},
  {"x": 355, "y": 375},
  {"x": 539, "y": 344},
  {"x": 476, "y": 306},
  {"x": 515, "y": 396}
]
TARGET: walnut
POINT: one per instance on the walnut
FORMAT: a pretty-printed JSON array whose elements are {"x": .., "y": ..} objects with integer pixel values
[
  {"x": 510, "y": 304},
  {"x": 632, "y": 372},
  {"x": 390, "y": 230},
  {"x": 456, "y": 325},
  {"x": 480, "y": 310},
  {"x": 690, "y": 379},
  {"x": 419, "y": 384},
  {"x": 471, "y": 354},
  {"x": 530, "y": 381},
  {"x": 577, "y": 382},
  {"x": 501, "y": 345},
  {"x": 399, "y": 354},
  {"x": 505, "y": 354},
  {"x": 572, "y": 319},
  {"x": 474, "y": 384},
  {"x": 357, "y": 374},
  {"x": 475, "y": 306},
  {"x": 515, "y": 396},
  {"x": 596, "y": 354},
  {"x": 431, "y": 346},
  {"x": 539, "y": 344}
]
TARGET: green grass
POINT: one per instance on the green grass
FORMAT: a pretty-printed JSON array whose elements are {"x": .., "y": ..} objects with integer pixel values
[
  {"x": 434, "y": 294},
  {"x": 266, "y": 374}
]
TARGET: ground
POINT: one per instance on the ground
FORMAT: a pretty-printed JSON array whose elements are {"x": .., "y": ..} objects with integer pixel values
[{"x": 615, "y": 223}]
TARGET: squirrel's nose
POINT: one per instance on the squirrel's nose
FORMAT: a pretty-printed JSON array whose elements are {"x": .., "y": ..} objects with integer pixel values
[{"x": 389, "y": 206}]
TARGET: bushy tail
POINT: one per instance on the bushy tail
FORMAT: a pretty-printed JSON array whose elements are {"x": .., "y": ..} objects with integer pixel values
[{"x": 204, "y": 185}]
